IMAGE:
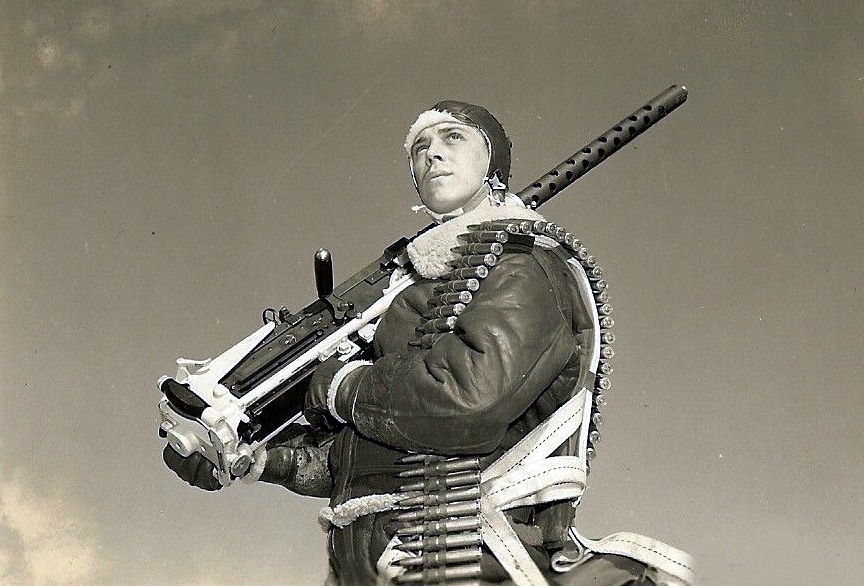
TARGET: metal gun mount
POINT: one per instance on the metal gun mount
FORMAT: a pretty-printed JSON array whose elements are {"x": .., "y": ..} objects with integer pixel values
[{"x": 225, "y": 408}]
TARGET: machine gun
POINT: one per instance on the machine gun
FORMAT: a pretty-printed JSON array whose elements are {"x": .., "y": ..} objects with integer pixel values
[{"x": 225, "y": 408}]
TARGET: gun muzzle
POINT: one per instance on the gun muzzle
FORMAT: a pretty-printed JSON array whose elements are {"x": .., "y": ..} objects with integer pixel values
[{"x": 602, "y": 147}]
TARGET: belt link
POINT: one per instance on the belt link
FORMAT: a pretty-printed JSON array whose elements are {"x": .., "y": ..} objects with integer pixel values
[{"x": 440, "y": 530}]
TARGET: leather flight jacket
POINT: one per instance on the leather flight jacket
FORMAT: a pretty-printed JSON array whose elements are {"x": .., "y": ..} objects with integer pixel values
[
  {"x": 510, "y": 362},
  {"x": 464, "y": 387}
]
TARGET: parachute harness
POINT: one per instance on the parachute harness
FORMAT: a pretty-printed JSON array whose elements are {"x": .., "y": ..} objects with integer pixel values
[{"x": 451, "y": 506}]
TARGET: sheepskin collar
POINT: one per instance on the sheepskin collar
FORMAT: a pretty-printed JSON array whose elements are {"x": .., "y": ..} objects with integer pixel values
[{"x": 430, "y": 252}]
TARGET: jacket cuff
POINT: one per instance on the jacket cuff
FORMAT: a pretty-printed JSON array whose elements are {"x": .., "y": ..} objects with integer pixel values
[{"x": 333, "y": 392}]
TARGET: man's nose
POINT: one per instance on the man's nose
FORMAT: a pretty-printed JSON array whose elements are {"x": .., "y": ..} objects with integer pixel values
[{"x": 434, "y": 153}]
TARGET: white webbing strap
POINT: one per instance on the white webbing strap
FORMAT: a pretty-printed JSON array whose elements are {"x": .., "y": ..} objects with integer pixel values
[
  {"x": 556, "y": 478},
  {"x": 543, "y": 439},
  {"x": 526, "y": 475},
  {"x": 669, "y": 566},
  {"x": 501, "y": 539},
  {"x": 386, "y": 567}
]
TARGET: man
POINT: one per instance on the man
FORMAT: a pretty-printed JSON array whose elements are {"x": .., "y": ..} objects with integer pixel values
[{"x": 472, "y": 365}]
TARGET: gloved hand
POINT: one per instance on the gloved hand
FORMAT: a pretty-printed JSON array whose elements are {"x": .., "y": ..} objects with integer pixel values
[
  {"x": 316, "y": 411},
  {"x": 195, "y": 470},
  {"x": 297, "y": 458}
]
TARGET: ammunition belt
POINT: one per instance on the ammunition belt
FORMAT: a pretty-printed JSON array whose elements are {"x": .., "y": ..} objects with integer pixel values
[
  {"x": 479, "y": 253},
  {"x": 451, "y": 507},
  {"x": 440, "y": 528}
]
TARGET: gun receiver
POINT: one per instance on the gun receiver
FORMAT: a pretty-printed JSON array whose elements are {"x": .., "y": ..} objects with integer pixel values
[{"x": 225, "y": 408}]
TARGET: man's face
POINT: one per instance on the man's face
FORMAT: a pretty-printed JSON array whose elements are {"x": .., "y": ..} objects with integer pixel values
[{"x": 449, "y": 161}]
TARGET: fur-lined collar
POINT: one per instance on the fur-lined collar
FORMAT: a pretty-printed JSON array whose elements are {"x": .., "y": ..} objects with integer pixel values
[{"x": 430, "y": 252}]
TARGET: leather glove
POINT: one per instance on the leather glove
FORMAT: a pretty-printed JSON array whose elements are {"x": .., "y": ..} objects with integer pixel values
[
  {"x": 316, "y": 411},
  {"x": 298, "y": 459},
  {"x": 195, "y": 470}
]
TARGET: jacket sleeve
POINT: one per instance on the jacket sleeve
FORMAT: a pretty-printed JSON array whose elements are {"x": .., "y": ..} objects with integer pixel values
[{"x": 460, "y": 395}]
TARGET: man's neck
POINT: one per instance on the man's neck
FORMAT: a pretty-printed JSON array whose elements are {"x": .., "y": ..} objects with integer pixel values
[{"x": 477, "y": 198}]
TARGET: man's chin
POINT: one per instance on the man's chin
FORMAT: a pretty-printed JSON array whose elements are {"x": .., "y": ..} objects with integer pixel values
[
  {"x": 443, "y": 208},
  {"x": 441, "y": 202}
]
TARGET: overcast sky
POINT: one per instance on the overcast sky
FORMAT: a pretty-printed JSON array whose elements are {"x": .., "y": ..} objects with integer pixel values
[{"x": 168, "y": 168}]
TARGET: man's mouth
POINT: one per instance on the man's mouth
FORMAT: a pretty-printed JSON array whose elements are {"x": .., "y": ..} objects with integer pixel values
[{"x": 436, "y": 174}]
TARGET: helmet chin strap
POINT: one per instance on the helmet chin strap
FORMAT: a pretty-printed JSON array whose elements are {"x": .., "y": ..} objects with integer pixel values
[{"x": 497, "y": 188}]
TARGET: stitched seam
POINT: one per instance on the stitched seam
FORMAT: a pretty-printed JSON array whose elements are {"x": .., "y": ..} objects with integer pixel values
[
  {"x": 546, "y": 439},
  {"x": 541, "y": 473},
  {"x": 503, "y": 542},
  {"x": 637, "y": 544}
]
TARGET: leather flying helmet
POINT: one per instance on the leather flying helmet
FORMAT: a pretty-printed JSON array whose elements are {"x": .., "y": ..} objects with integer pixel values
[{"x": 476, "y": 116}]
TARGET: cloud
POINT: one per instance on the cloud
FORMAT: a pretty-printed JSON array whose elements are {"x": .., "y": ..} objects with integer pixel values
[
  {"x": 52, "y": 543},
  {"x": 204, "y": 570},
  {"x": 391, "y": 21},
  {"x": 48, "y": 53},
  {"x": 54, "y": 56},
  {"x": 96, "y": 22},
  {"x": 46, "y": 539},
  {"x": 9, "y": 573},
  {"x": 58, "y": 59}
]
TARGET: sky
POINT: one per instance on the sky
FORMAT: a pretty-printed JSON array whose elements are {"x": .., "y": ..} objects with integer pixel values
[{"x": 168, "y": 168}]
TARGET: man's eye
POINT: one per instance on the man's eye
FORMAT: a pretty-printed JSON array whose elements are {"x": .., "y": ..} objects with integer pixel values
[
  {"x": 454, "y": 135},
  {"x": 420, "y": 148}
]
